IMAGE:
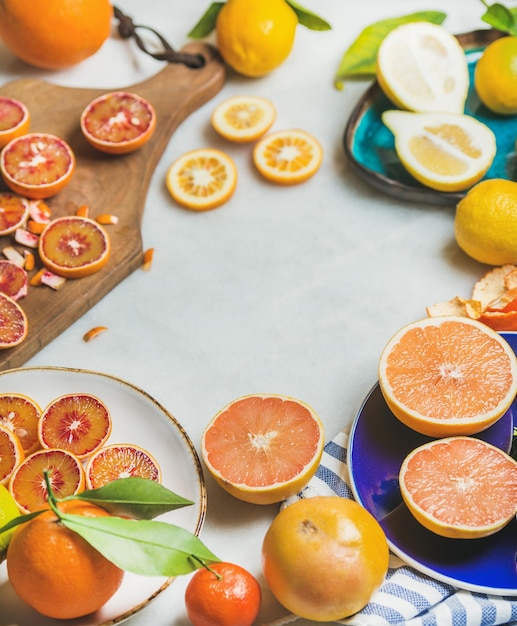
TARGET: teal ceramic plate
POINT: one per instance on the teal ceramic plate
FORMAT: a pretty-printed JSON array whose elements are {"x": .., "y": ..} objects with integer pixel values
[{"x": 370, "y": 149}]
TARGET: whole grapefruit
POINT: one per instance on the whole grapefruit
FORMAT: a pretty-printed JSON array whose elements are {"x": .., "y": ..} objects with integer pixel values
[{"x": 54, "y": 34}]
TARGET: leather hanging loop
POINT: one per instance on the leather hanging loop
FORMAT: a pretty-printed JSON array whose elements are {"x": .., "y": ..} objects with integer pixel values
[{"x": 128, "y": 29}]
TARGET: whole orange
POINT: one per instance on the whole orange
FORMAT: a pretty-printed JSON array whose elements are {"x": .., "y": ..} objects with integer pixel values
[
  {"x": 324, "y": 557},
  {"x": 224, "y": 595},
  {"x": 54, "y": 34},
  {"x": 55, "y": 571}
]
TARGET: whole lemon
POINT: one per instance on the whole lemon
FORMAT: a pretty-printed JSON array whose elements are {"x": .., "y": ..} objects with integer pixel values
[
  {"x": 495, "y": 76},
  {"x": 54, "y": 34},
  {"x": 255, "y": 36},
  {"x": 485, "y": 223},
  {"x": 323, "y": 557}
]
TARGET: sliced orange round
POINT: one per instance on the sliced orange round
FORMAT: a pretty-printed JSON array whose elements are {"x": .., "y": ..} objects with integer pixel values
[
  {"x": 288, "y": 157},
  {"x": 120, "y": 460},
  {"x": 74, "y": 246},
  {"x": 14, "y": 212},
  {"x": 118, "y": 122},
  {"x": 14, "y": 119},
  {"x": 27, "y": 484},
  {"x": 14, "y": 325},
  {"x": 11, "y": 454},
  {"x": 20, "y": 414},
  {"x": 243, "y": 118},
  {"x": 37, "y": 165},
  {"x": 263, "y": 448},
  {"x": 447, "y": 376},
  {"x": 460, "y": 487},
  {"x": 202, "y": 179},
  {"x": 77, "y": 422},
  {"x": 13, "y": 279}
]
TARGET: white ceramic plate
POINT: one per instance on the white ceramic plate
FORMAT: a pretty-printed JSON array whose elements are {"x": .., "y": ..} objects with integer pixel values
[{"x": 137, "y": 418}]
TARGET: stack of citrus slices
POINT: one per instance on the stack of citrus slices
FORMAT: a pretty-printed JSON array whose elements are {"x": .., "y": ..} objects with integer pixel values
[
  {"x": 68, "y": 439},
  {"x": 423, "y": 70},
  {"x": 206, "y": 178},
  {"x": 451, "y": 378}
]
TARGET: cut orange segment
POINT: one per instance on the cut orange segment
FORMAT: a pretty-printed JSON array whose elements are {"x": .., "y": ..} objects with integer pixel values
[
  {"x": 460, "y": 487},
  {"x": 79, "y": 423},
  {"x": 14, "y": 325},
  {"x": 118, "y": 122},
  {"x": 120, "y": 460},
  {"x": 74, "y": 246},
  {"x": 263, "y": 448},
  {"x": 447, "y": 376},
  {"x": 288, "y": 157},
  {"x": 27, "y": 484},
  {"x": 243, "y": 118},
  {"x": 443, "y": 151},
  {"x": 20, "y": 414},
  {"x": 11, "y": 454},
  {"x": 13, "y": 280},
  {"x": 422, "y": 67},
  {"x": 37, "y": 165},
  {"x": 14, "y": 119},
  {"x": 202, "y": 179},
  {"x": 94, "y": 332},
  {"x": 14, "y": 212}
]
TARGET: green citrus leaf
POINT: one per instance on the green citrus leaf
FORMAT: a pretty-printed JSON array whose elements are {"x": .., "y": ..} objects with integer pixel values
[
  {"x": 359, "y": 60},
  {"x": 137, "y": 497},
  {"x": 501, "y": 18},
  {"x": 148, "y": 548},
  {"x": 207, "y": 21},
  {"x": 308, "y": 18}
]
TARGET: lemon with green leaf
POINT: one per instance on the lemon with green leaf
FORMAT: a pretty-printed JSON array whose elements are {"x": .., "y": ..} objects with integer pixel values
[{"x": 8, "y": 511}]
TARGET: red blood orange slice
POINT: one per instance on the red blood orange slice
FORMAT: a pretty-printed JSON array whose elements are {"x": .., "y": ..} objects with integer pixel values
[
  {"x": 460, "y": 487},
  {"x": 14, "y": 211},
  {"x": 13, "y": 280},
  {"x": 79, "y": 423},
  {"x": 263, "y": 448},
  {"x": 20, "y": 414},
  {"x": 118, "y": 122},
  {"x": 14, "y": 119},
  {"x": 37, "y": 165},
  {"x": 13, "y": 323},
  {"x": 27, "y": 484},
  {"x": 74, "y": 246},
  {"x": 11, "y": 454},
  {"x": 120, "y": 460},
  {"x": 447, "y": 376}
]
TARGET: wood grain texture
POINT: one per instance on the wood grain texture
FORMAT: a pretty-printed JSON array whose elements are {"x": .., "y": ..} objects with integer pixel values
[{"x": 106, "y": 183}]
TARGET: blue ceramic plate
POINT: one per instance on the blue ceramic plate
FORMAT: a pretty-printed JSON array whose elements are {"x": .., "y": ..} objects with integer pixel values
[
  {"x": 378, "y": 444},
  {"x": 370, "y": 149}
]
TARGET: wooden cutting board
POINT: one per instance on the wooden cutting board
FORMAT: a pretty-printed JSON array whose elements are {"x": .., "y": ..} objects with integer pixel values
[{"x": 107, "y": 184}]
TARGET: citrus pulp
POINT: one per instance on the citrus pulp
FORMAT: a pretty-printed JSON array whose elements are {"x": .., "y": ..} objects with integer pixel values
[
  {"x": 324, "y": 557},
  {"x": 460, "y": 487},
  {"x": 120, "y": 460},
  {"x": 14, "y": 325},
  {"x": 243, "y": 118},
  {"x": 449, "y": 375},
  {"x": 21, "y": 415}
]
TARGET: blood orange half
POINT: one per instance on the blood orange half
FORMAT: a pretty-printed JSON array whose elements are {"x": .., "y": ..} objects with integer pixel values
[
  {"x": 13, "y": 280},
  {"x": 263, "y": 448},
  {"x": 448, "y": 376},
  {"x": 14, "y": 119},
  {"x": 11, "y": 454},
  {"x": 79, "y": 423},
  {"x": 27, "y": 484},
  {"x": 14, "y": 325},
  {"x": 74, "y": 246},
  {"x": 460, "y": 487},
  {"x": 14, "y": 212},
  {"x": 120, "y": 460},
  {"x": 20, "y": 414},
  {"x": 118, "y": 122},
  {"x": 37, "y": 165}
]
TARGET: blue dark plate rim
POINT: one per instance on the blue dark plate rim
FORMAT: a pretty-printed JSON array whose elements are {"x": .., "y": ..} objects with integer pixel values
[
  {"x": 401, "y": 189},
  {"x": 480, "y": 565}
]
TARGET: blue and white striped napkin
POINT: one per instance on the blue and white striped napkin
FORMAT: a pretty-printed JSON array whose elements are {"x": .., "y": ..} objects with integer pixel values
[{"x": 406, "y": 597}]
